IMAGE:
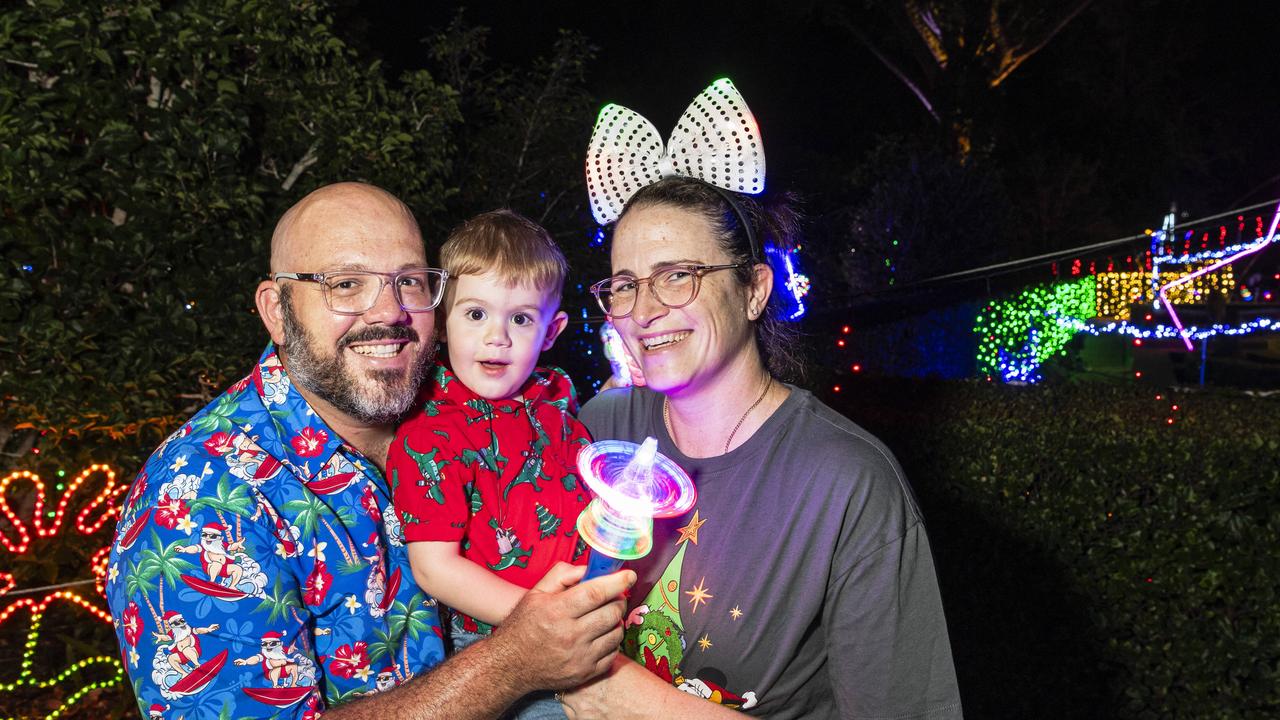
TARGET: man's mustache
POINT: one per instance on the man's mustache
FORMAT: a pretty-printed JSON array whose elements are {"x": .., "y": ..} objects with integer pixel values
[{"x": 374, "y": 333}]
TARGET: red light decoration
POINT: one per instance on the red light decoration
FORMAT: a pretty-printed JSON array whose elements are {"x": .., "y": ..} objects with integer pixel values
[
  {"x": 17, "y": 539},
  {"x": 109, "y": 493}
]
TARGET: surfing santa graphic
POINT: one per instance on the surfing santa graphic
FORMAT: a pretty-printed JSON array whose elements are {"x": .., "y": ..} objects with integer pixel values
[
  {"x": 184, "y": 646},
  {"x": 216, "y": 555},
  {"x": 385, "y": 680},
  {"x": 276, "y": 665}
]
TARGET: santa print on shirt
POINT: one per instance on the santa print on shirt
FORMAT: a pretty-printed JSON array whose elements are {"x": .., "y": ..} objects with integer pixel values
[
  {"x": 256, "y": 569},
  {"x": 499, "y": 476}
]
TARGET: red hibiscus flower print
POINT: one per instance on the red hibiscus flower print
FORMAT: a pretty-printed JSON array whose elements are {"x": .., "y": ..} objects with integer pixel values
[
  {"x": 219, "y": 443},
  {"x": 349, "y": 659},
  {"x": 309, "y": 442},
  {"x": 131, "y": 619},
  {"x": 170, "y": 511},
  {"x": 317, "y": 587},
  {"x": 370, "y": 503},
  {"x": 313, "y": 707},
  {"x": 139, "y": 487}
]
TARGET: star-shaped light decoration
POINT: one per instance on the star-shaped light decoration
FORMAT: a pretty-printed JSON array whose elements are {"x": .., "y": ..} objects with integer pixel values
[
  {"x": 704, "y": 642},
  {"x": 690, "y": 532},
  {"x": 735, "y": 612},
  {"x": 698, "y": 594}
]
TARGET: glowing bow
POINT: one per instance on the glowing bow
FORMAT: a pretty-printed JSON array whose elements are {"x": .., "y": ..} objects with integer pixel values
[{"x": 717, "y": 141}]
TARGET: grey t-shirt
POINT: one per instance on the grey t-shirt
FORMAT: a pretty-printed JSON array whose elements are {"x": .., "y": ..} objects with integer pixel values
[{"x": 801, "y": 584}]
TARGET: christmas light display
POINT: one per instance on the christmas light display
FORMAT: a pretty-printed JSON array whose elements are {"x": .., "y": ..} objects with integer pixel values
[
  {"x": 78, "y": 678},
  {"x": 633, "y": 484},
  {"x": 791, "y": 286},
  {"x": 1118, "y": 291},
  {"x": 1017, "y": 336},
  {"x": 1248, "y": 250}
]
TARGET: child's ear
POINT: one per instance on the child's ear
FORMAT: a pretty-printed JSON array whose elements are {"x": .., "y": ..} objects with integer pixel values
[{"x": 554, "y": 328}]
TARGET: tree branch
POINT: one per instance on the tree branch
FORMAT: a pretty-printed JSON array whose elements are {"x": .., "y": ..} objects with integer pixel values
[
  {"x": 927, "y": 28},
  {"x": 306, "y": 161},
  {"x": 1011, "y": 58},
  {"x": 893, "y": 68}
]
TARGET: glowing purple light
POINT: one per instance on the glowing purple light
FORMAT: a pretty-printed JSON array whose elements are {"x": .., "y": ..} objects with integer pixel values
[{"x": 1249, "y": 250}]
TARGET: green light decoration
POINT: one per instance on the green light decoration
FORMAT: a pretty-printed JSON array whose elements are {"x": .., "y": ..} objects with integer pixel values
[
  {"x": 1016, "y": 336},
  {"x": 85, "y": 516},
  {"x": 73, "y": 676}
]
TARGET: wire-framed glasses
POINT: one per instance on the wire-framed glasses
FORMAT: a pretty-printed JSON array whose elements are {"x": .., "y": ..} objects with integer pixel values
[
  {"x": 674, "y": 286},
  {"x": 354, "y": 292}
]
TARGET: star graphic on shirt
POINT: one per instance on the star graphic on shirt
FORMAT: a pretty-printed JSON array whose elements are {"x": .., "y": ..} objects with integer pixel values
[
  {"x": 178, "y": 463},
  {"x": 690, "y": 531},
  {"x": 735, "y": 612},
  {"x": 698, "y": 594},
  {"x": 704, "y": 642}
]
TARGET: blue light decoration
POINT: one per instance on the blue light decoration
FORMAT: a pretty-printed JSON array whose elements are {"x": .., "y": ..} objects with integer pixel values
[
  {"x": 1017, "y": 336},
  {"x": 788, "y": 283}
]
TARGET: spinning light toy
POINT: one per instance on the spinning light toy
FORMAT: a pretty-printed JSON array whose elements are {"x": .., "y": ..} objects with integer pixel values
[{"x": 633, "y": 484}]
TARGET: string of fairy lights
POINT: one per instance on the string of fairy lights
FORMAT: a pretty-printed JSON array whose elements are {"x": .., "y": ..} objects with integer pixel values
[
  {"x": 85, "y": 675},
  {"x": 1017, "y": 335}
]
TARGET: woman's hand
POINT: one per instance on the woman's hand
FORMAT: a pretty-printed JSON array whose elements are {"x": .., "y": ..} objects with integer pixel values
[
  {"x": 591, "y": 700},
  {"x": 628, "y": 691}
]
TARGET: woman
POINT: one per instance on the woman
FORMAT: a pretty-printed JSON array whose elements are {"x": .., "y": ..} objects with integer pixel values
[{"x": 801, "y": 584}]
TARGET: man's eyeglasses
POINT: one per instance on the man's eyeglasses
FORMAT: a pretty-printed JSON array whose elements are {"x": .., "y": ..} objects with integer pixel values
[
  {"x": 674, "y": 286},
  {"x": 354, "y": 292}
]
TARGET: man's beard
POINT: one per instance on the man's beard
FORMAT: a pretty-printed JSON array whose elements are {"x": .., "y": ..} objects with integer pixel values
[
  {"x": 214, "y": 546},
  {"x": 389, "y": 395}
]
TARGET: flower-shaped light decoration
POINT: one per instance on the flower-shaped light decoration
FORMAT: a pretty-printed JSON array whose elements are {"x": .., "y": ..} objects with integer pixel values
[{"x": 18, "y": 536}]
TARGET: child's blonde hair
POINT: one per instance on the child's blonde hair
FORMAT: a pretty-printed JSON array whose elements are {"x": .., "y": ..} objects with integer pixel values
[{"x": 508, "y": 244}]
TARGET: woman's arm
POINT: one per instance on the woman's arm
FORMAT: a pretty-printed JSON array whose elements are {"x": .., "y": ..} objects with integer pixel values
[
  {"x": 629, "y": 691},
  {"x": 461, "y": 584}
]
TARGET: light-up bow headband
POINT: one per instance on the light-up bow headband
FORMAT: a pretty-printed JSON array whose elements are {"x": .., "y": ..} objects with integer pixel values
[{"x": 716, "y": 141}]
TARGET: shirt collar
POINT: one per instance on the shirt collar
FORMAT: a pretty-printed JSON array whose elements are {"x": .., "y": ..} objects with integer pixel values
[
  {"x": 544, "y": 384},
  {"x": 297, "y": 435}
]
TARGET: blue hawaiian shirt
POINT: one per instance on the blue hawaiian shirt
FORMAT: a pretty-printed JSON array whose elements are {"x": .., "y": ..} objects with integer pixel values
[{"x": 259, "y": 569}]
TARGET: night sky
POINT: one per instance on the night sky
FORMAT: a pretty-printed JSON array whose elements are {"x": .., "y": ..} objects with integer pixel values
[{"x": 1175, "y": 101}]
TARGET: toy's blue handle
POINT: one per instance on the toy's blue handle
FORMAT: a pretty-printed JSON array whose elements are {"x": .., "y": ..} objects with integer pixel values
[{"x": 600, "y": 564}]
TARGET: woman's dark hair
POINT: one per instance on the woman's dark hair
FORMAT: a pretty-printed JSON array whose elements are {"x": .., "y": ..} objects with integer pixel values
[{"x": 776, "y": 222}]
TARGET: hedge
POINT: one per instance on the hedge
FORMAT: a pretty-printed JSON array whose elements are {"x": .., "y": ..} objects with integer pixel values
[{"x": 1101, "y": 553}]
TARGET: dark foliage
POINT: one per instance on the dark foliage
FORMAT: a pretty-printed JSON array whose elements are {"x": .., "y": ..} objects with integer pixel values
[{"x": 1096, "y": 561}]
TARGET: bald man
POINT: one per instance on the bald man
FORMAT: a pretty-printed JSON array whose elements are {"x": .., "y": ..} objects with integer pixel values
[{"x": 287, "y": 466}]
